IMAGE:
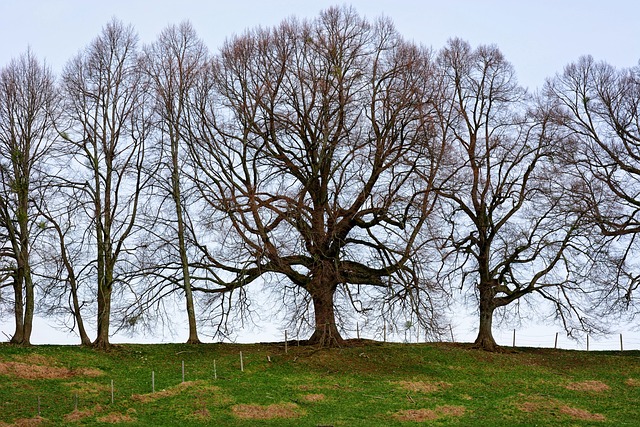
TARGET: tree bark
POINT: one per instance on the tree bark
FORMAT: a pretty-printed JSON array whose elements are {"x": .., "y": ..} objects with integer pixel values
[
  {"x": 326, "y": 331},
  {"x": 485, "y": 339},
  {"x": 18, "y": 335}
]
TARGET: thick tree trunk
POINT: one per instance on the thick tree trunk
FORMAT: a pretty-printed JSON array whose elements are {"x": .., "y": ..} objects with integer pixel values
[
  {"x": 326, "y": 332},
  {"x": 485, "y": 339}
]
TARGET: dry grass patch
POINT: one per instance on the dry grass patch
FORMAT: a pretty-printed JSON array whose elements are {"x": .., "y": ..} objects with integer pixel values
[
  {"x": 581, "y": 414},
  {"x": 116, "y": 418},
  {"x": 597, "y": 386},
  {"x": 88, "y": 372},
  {"x": 313, "y": 397},
  {"x": 421, "y": 386},
  {"x": 422, "y": 415},
  {"x": 201, "y": 414},
  {"x": 33, "y": 372},
  {"x": 260, "y": 412},
  {"x": 85, "y": 388},
  {"x": 174, "y": 391},
  {"x": 25, "y": 422},
  {"x": 79, "y": 415},
  {"x": 38, "y": 367},
  {"x": 547, "y": 405},
  {"x": 632, "y": 382}
]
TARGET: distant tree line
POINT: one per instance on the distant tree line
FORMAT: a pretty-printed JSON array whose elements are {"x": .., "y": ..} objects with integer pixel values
[{"x": 340, "y": 167}]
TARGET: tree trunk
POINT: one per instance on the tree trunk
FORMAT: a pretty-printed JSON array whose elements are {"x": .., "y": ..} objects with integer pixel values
[
  {"x": 184, "y": 259},
  {"x": 18, "y": 335},
  {"x": 485, "y": 339},
  {"x": 104, "y": 315},
  {"x": 326, "y": 332},
  {"x": 29, "y": 307},
  {"x": 84, "y": 337}
]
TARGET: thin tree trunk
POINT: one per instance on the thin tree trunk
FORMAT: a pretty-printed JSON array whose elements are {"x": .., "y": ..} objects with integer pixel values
[
  {"x": 84, "y": 337},
  {"x": 29, "y": 306},
  {"x": 184, "y": 260}
]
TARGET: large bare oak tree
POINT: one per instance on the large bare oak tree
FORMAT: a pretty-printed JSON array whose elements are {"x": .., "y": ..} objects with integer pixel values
[{"x": 311, "y": 135}]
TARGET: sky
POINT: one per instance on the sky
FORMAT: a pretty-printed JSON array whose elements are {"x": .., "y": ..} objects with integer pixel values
[{"x": 539, "y": 37}]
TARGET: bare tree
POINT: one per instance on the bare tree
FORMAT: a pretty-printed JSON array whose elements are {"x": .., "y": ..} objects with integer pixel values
[
  {"x": 106, "y": 131},
  {"x": 172, "y": 64},
  {"x": 311, "y": 135},
  {"x": 27, "y": 102},
  {"x": 512, "y": 232},
  {"x": 599, "y": 107}
]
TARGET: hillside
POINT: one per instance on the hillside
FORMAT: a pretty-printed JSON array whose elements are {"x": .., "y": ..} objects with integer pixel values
[{"x": 364, "y": 384}]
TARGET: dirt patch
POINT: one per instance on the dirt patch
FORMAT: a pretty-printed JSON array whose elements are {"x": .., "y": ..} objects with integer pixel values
[
  {"x": 88, "y": 372},
  {"x": 173, "y": 391},
  {"x": 33, "y": 372},
  {"x": 38, "y": 367},
  {"x": 597, "y": 386},
  {"x": 422, "y": 415},
  {"x": 547, "y": 405},
  {"x": 26, "y": 422},
  {"x": 632, "y": 382},
  {"x": 421, "y": 386},
  {"x": 313, "y": 397},
  {"x": 79, "y": 415},
  {"x": 581, "y": 414},
  {"x": 260, "y": 412},
  {"x": 116, "y": 418}
]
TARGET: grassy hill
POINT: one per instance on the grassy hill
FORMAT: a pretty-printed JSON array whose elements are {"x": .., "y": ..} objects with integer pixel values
[{"x": 365, "y": 384}]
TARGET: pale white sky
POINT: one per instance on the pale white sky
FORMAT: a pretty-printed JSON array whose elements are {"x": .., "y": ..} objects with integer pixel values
[{"x": 539, "y": 37}]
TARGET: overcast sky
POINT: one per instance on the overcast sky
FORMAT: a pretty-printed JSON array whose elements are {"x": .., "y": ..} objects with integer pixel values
[{"x": 539, "y": 37}]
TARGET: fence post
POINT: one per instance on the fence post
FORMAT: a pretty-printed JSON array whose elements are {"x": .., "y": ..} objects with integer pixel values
[
  {"x": 451, "y": 331},
  {"x": 555, "y": 346},
  {"x": 241, "y": 363},
  {"x": 587, "y": 342},
  {"x": 514, "y": 338},
  {"x": 621, "y": 348},
  {"x": 286, "y": 349}
]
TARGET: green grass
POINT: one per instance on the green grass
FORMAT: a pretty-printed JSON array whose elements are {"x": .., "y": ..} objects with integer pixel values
[{"x": 367, "y": 384}]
